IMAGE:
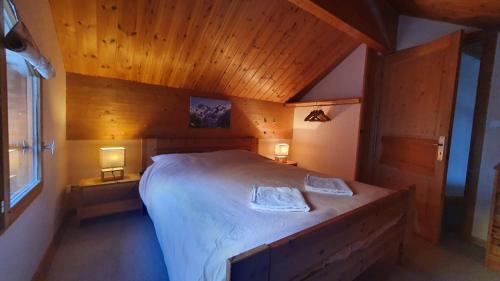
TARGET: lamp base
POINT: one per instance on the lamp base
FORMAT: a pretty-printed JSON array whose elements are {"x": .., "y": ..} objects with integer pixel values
[
  {"x": 112, "y": 174},
  {"x": 281, "y": 159}
]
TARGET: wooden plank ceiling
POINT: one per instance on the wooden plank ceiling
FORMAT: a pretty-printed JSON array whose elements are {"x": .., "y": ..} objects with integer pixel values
[
  {"x": 261, "y": 49},
  {"x": 480, "y": 13}
]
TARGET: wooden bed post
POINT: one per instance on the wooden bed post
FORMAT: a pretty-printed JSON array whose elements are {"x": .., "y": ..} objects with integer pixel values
[{"x": 237, "y": 267}]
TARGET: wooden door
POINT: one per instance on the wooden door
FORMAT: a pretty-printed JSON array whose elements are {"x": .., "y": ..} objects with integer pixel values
[{"x": 417, "y": 100}]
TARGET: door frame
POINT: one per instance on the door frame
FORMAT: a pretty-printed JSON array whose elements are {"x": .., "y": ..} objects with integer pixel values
[{"x": 489, "y": 42}]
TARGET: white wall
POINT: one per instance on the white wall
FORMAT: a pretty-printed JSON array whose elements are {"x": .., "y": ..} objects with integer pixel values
[
  {"x": 490, "y": 155},
  {"x": 24, "y": 243},
  {"x": 345, "y": 81},
  {"x": 417, "y": 31},
  {"x": 331, "y": 147}
]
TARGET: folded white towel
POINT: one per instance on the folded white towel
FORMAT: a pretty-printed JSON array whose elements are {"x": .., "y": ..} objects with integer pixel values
[
  {"x": 278, "y": 199},
  {"x": 333, "y": 186}
]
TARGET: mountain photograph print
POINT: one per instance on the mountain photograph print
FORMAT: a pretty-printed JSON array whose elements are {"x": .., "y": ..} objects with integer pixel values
[{"x": 209, "y": 113}]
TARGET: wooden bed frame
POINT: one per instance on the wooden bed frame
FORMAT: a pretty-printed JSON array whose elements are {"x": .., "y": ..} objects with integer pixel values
[{"x": 338, "y": 249}]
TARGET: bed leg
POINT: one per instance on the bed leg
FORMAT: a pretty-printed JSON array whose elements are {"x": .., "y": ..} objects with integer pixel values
[{"x": 392, "y": 257}]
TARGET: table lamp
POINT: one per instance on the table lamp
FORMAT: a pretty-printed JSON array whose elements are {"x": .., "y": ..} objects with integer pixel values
[
  {"x": 112, "y": 160},
  {"x": 281, "y": 152}
]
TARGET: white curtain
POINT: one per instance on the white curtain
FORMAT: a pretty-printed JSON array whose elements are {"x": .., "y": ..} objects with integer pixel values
[{"x": 19, "y": 40}]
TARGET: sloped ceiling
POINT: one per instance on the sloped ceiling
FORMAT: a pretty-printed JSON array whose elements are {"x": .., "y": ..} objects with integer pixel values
[
  {"x": 262, "y": 49},
  {"x": 479, "y": 13}
]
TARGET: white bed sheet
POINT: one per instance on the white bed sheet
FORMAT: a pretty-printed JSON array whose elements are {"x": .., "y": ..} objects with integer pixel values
[{"x": 199, "y": 205}]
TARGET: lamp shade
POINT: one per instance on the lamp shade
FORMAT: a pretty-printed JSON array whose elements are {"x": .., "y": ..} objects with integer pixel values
[
  {"x": 112, "y": 157},
  {"x": 281, "y": 149}
]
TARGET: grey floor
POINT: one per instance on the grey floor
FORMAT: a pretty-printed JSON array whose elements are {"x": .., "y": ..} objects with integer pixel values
[
  {"x": 124, "y": 248},
  {"x": 452, "y": 260},
  {"x": 120, "y": 247}
]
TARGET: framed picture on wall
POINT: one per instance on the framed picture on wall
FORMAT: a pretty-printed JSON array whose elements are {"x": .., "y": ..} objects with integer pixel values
[{"x": 209, "y": 113}]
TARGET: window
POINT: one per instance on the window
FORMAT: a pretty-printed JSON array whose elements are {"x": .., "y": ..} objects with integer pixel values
[
  {"x": 23, "y": 123},
  {"x": 23, "y": 127}
]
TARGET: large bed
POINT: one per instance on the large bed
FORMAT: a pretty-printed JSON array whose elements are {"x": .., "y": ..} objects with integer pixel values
[{"x": 197, "y": 193}]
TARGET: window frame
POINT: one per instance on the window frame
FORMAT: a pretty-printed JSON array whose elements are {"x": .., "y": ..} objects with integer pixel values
[{"x": 8, "y": 213}]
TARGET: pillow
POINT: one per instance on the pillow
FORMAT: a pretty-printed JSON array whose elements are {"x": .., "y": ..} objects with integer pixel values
[{"x": 159, "y": 157}]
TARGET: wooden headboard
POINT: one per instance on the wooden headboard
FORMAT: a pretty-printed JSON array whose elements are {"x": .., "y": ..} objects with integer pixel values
[{"x": 152, "y": 147}]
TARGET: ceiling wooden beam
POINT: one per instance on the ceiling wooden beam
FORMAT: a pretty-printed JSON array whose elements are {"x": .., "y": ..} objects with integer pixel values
[
  {"x": 372, "y": 22},
  {"x": 478, "y": 13}
]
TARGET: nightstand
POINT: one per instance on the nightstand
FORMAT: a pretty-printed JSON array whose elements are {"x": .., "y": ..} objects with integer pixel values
[{"x": 95, "y": 198}]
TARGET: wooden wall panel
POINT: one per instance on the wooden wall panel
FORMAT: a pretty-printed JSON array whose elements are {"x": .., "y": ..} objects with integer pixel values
[
  {"x": 413, "y": 154},
  {"x": 103, "y": 108}
]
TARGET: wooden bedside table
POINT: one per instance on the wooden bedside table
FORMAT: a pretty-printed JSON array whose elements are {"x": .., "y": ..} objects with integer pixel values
[{"x": 95, "y": 198}]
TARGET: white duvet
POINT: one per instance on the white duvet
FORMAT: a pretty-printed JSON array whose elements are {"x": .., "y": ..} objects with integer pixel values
[{"x": 200, "y": 206}]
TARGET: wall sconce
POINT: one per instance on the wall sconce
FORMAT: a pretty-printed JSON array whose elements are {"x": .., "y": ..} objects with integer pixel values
[
  {"x": 112, "y": 161},
  {"x": 281, "y": 152}
]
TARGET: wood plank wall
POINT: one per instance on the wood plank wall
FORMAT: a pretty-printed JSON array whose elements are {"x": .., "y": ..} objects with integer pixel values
[{"x": 103, "y": 108}]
